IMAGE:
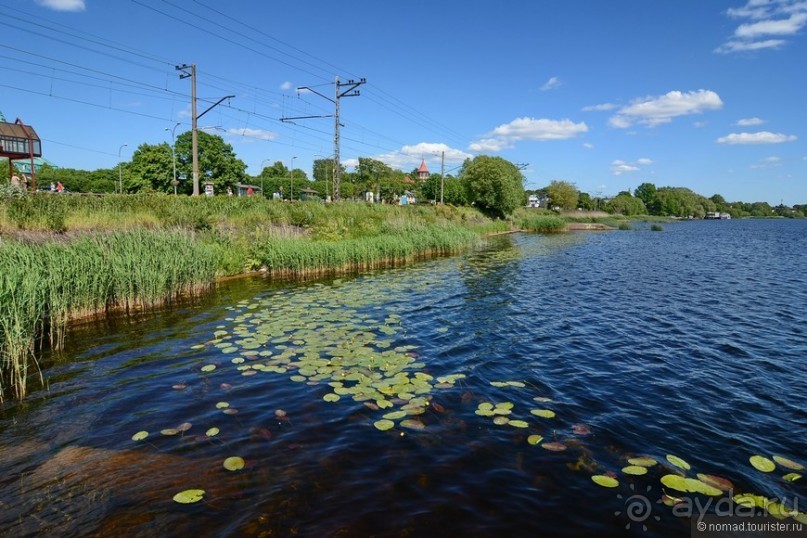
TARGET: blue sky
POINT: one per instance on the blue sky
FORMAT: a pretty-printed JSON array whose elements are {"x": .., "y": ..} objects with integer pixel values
[{"x": 707, "y": 95}]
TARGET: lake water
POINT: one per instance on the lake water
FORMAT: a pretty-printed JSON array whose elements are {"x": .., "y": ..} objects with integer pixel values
[{"x": 689, "y": 342}]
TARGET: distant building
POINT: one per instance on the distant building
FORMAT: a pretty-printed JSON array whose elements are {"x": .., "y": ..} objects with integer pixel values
[{"x": 423, "y": 171}]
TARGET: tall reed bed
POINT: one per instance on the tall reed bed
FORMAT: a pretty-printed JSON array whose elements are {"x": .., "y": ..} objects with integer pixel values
[
  {"x": 44, "y": 285},
  {"x": 542, "y": 223},
  {"x": 298, "y": 257}
]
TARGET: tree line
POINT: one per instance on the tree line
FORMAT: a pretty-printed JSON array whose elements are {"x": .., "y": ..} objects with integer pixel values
[{"x": 490, "y": 183}]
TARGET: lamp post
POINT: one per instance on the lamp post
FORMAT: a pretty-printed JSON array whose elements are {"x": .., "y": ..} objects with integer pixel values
[
  {"x": 120, "y": 170},
  {"x": 174, "y": 155},
  {"x": 291, "y": 177},
  {"x": 329, "y": 157}
]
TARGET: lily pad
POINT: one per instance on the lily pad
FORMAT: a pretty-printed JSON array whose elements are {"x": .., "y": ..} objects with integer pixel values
[
  {"x": 791, "y": 477},
  {"x": 331, "y": 397},
  {"x": 208, "y": 367},
  {"x": 222, "y": 405},
  {"x": 605, "y": 481},
  {"x": 535, "y": 439},
  {"x": 635, "y": 470},
  {"x": 139, "y": 436},
  {"x": 518, "y": 424},
  {"x": 718, "y": 482},
  {"x": 644, "y": 462},
  {"x": 189, "y": 496},
  {"x": 384, "y": 424},
  {"x": 395, "y": 415},
  {"x": 234, "y": 463},
  {"x": 674, "y": 481},
  {"x": 788, "y": 463},
  {"x": 544, "y": 413},
  {"x": 413, "y": 424},
  {"x": 211, "y": 432},
  {"x": 169, "y": 431},
  {"x": 761, "y": 463},
  {"x": 678, "y": 462},
  {"x": 500, "y": 420},
  {"x": 554, "y": 446}
]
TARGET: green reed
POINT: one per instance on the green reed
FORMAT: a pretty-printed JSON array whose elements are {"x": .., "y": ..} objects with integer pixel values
[{"x": 44, "y": 285}]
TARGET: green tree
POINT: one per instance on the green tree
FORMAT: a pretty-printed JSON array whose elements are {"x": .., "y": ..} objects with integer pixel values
[
  {"x": 585, "y": 201},
  {"x": 217, "y": 162},
  {"x": 453, "y": 190},
  {"x": 493, "y": 184},
  {"x": 682, "y": 202},
  {"x": 646, "y": 192},
  {"x": 562, "y": 194},
  {"x": 625, "y": 204},
  {"x": 151, "y": 169}
]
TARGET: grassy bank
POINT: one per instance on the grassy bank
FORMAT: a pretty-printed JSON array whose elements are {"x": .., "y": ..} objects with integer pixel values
[{"x": 63, "y": 257}]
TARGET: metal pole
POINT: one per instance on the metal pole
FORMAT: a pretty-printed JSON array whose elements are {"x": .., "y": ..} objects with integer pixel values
[
  {"x": 195, "y": 133},
  {"x": 174, "y": 155},
  {"x": 120, "y": 171},
  {"x": 442, "y": 174},
  {"x": 291, "y": 176}
]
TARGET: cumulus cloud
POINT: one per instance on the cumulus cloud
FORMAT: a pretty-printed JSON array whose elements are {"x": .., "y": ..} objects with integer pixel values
[
  {"x": 762, "y": 137},
  {"x": 409, "y": 156},
  {"x": 599, "y": 108},
  {"x": 620, "y": 167},
  {"x": 505, "y": 136},
  {"x": 788, "y": 26},
  {"x": 777, "y": 18},
  {"x": 653, "y": 111},
  {"x": 745, "y": 122},
  {"x": 63, "y": 5},
  {"x": 258, "y": 134},
  {"x": 551, "y": 84}
]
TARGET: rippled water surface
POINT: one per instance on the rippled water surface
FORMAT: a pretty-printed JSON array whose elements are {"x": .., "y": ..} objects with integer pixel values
[{"x": 690, "y": 342}]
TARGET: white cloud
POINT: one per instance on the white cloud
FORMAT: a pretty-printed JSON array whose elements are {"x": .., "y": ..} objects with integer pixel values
[
  {"x": 598, "y": 108},
  {"x": 506, "y": 135},
  {"x": 551, "y": 84},
  {"x": 620, "y": 167},
  {"x": 740, "y": 46},
  {"x": 286, "y": 86},
  {"x": 781, "y": 18},
  {"x": 762, "y": 137},
  {"x": 63, "y": 5},
  {"x": 699, "y": 124},
  {"x": 588, "y": 145},
  {"x": 653, "y": 111},
  {"x": 788, "y": 26},
  {"x": 409, "y": 157},
  {"x": 745, "y": 122},
  {"x": 768, "y": 162},
  {"x": 258, "y": 134}
]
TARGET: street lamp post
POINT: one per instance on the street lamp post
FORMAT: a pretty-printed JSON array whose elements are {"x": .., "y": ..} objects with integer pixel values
[
  {"x": 291, "y": 177},
  {"x": 120, "y": 170},
  {"x": 174, "y": 155}
]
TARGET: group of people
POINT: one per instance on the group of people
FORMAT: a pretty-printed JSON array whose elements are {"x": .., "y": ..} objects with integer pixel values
[{"x": 21, "y": 183}]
